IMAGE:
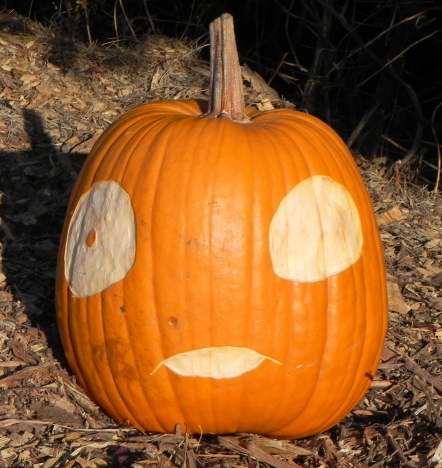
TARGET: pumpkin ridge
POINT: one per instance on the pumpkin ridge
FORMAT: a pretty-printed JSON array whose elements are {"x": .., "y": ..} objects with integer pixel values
[
  {"x": 167, "y": 141},
  {"x": 203, "y": 125},
  {"x": 106, "y": 171},
  {"x": 274, "y": 202},
  {"x": 249, "y": 256},
  {"x": 284, "y": 144},
  {"x": 162, "y": 138},
  {"x": 350, "y": 393},
  {"x": 302, "y": 159},
  {"x": 286, "y": 297},
  {"x": 117, "y": 389},
  {"x": 344, "y": 384},
  {"x": 87, "y": 175},
  {"x": 113, "y": 161},
  {"x": 336, "y": 167},
  {"x": 319, "y": 375},
  {"x": 213, "y": 180},
  {"x": 136, "y": 186},
  {"x": 101, "y": 162},
  {"x": 256, "y": 141}
]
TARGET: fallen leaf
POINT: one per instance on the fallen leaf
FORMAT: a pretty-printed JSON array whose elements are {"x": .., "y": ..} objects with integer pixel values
[
  {"x": 396, "y": 302},
  {"x": 436, "y": 280},
  {"x": 390, "y": 216},
  {"x": 437, "y": 456}
]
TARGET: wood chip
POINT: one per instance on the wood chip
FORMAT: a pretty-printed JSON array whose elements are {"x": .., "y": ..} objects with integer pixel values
[{"x": 396, "y": 302}]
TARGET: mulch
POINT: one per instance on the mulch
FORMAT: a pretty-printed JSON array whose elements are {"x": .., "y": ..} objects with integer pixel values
[{"x": 56, "y": 97}]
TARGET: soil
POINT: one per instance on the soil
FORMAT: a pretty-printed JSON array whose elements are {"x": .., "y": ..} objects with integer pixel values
[{"x": 56, "y": 97}]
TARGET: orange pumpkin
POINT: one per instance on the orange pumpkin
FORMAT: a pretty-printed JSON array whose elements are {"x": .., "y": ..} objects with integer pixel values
[{"x": 222, "y": 271}]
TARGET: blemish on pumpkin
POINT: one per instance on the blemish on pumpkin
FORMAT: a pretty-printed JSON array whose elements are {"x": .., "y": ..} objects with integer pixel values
[
  {"x": 173, "y": 321},
  {"x": 370, "y": 376},
  {"x": 91, "y": 238}
]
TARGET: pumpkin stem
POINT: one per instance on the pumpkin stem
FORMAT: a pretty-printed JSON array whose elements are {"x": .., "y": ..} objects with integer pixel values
[{"x": 226, "y": 97}]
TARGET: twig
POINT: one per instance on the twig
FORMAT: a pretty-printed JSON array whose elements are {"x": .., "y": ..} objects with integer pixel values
[
  {"x": 411, "y": 92},
  {"x": 398, "y": 56},
  {"x": 439, "y": 156},
  {"x": 116, "y": 22},
  {"x": 189, "y": 21},
  {"x": 374, "y": 39},
  {"x": 360, "y": 126},
  {"x": 127, "y": 20},
  {"x": 281, "y": 63},
  {"x": 88, "y": 26},
  {"x": 433, "y": 380},
  {"x": 397, "y": 450},
  {"x": 149, "y": 17}
]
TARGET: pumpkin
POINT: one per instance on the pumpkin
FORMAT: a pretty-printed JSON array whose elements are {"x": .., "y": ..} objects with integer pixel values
[{"x": 221, "y": 270}]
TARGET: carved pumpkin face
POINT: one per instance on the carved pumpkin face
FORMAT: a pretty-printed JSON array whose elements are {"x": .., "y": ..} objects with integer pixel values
[{"x": 219, "y": 275}]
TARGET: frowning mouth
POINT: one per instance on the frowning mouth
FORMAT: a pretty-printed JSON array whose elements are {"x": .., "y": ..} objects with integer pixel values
[{"x": 218, "y": 362}]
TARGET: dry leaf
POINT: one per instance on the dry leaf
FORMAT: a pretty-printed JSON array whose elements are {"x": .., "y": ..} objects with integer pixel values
[
  {"x": 264, "y": 105},
  {"x": 396, "y": 302},
  {"x": 258, "y": 84},
  {"x": 390, "y": 216}
]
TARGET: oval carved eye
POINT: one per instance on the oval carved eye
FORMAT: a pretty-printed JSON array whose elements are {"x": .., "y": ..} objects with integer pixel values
[
  {"x": 315, "y": 232},
  {"x": 100, "y": 246}
]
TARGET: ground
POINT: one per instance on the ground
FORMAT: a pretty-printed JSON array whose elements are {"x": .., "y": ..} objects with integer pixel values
[{"x": 56, "y": 97}]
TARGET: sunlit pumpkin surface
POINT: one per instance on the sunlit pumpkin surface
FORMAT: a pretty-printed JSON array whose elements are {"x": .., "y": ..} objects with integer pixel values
[{"x": 222, "y": 276}]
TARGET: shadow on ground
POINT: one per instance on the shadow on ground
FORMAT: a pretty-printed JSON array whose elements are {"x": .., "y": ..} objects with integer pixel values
[{"x": 36, "y": 185}]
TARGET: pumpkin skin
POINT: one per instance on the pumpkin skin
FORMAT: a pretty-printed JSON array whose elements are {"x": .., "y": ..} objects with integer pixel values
[{"x": 201, "y": 274}]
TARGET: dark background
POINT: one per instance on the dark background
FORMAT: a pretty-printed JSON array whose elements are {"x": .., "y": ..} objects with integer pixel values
[{"x": 370, "y": 68}]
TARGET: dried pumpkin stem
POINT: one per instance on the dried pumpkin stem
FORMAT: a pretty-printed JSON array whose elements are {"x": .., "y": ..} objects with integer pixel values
[{"x": 226, "y": 96}]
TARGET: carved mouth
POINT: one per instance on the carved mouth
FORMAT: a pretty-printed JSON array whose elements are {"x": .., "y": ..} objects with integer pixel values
[{"x": 219, "y": 362}]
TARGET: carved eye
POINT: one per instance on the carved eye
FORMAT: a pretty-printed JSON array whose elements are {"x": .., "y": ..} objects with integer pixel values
[
  {"x": 315, "y": 232},
  {"x": 100, "y": 247}
]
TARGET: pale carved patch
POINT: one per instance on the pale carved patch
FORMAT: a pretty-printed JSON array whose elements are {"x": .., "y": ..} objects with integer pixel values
[
  {"x": 100, "y": 246},
  {"x": 315, "y": 232},
  {"x": 218, "y": 362}
]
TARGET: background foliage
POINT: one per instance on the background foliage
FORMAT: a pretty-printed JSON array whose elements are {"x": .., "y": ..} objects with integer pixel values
[{"x": 368, "y": 67}]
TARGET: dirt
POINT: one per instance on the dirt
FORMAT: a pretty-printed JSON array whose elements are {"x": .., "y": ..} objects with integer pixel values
[{"x": 56, "y": 97}]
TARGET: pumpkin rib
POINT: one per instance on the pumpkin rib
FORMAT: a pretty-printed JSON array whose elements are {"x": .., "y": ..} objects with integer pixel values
[
  {"x": 310, "y": 170},
  {"x": 203, "y": 127},
  {"x": 338, "y": 167},
  {"x": 246, "y": 263},
  {"x": 286, "y": 188},
  {"x": 117, "y": 390},
  {"x": 104, "y": 391},
  {"x": 161, "y": 138},
  {"x": 62, "y": 301},
  {"x": 108, "y": 170},
  {"x": 301, "y": 159},
  {"x": 118, "y": 131},
  {"x": 210, "y": 217},
  {"x": 363, "y": 307},
  {"x": 318, "y": 137},
  {"x": 282, "y": 174},
  {"x": 352, "y": 393},
  {"x": 325, "y": 313},
  {"x": 130, "y": 155},
  {"x": 163, "y": 133},
  {"x": 357, "y": 390},
  {"x": 113, "y": 162},
  {"x": 166, "y": 144}
]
